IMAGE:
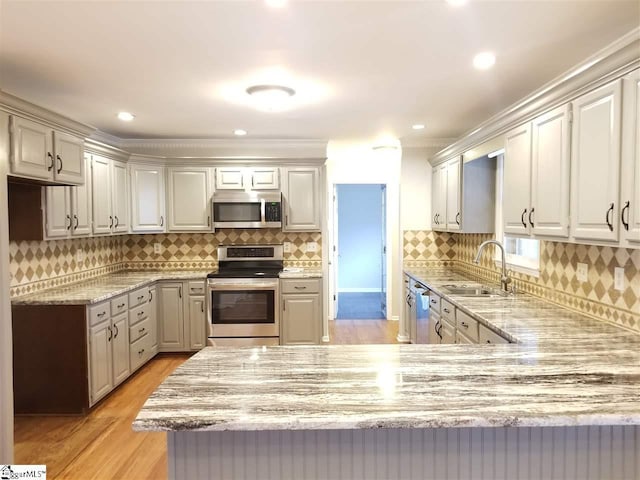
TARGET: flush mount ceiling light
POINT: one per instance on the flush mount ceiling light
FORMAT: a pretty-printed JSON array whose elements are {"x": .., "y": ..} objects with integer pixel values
[
  {"x": 418, "y": 126},
  {"x": 126, "y": 116},
  {"x": 271, "y": 98},
  {"x": 484, "y": 60},
  {"x": 456, "y": 3},
  {"x": 276, "y": 3},
  {"x": 239, "y": 132}
]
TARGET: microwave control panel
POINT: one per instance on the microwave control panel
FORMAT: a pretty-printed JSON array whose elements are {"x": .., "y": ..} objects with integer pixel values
[{"x": 272, "y": 212}]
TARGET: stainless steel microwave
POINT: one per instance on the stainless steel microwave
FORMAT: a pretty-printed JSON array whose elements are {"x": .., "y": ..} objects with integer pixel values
[{"x": 247, "y": 210}]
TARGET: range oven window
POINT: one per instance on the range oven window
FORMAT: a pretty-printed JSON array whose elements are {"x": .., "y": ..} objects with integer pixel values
[
  {"x": 231, "y": 307},
  {"x": 237, "y": 212}
]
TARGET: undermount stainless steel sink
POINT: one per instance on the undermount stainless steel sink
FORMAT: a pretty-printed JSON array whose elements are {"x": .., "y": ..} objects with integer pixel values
[{"x": 473, "y": 291}]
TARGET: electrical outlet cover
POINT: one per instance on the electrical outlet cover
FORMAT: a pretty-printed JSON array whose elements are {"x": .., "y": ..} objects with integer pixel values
[
  {"x": 287, "y": 247},
  {"x": 618, "y": 279},
  {"x": 312, "y": 247},
  {"x": 157, "y": 248},
  {"x": 581, "y": 272},
  {"x": 80, "y": 256}
]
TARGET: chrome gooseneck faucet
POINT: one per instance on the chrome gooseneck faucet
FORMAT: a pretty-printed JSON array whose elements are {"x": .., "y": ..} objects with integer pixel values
[{"x": 505, "y": 280}]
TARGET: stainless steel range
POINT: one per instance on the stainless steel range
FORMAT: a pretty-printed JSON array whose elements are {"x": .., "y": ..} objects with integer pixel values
[{"x": 243, "y": 296}]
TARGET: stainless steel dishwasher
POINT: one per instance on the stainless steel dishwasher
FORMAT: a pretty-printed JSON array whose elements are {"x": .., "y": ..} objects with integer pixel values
[{"x": 420, "y": 313}]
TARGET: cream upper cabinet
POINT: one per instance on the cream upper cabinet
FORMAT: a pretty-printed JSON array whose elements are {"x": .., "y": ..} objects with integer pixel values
[
  {"x": 69, "y": 155},
  {"x": 595, "y": 164},
  {"x": 119, "y": 197},
  {"x": 517, "y": 180},
  {"x": 265, "y": 178},
  {"x": 302, "y": 199},
  {"x": 81, "y": 203},
  {"x": 39, "y": 152},
  {"x": 630, "y": 198},
  {"x": 439, "y": 198},
  {"x": 549, "y": 208},
  {"x": 58, "y": 212},
  {"x": 454, "y": 190},
  {"x": 101, "y": 195},
  {"x": 189, "y": 199},
  {"x": 230, "y": 178},
  {"x": 147, "y": 198}
]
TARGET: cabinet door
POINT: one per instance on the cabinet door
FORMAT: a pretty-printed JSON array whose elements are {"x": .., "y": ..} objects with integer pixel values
[
  {"x": 302, "y": 199},
  {"x": 516, "y": 193},
  {"x": 439, "y": 198},
  {"x": 81, "y": 203},
  {"x": 301, "y": 320},
  {"x": 448, "y": 333},
  {"x": 550, "y": 161},
  {"x": 119, "y": 197},
  {"x": 189, "y": 199},
  {"x": 101, "y": 195},
  {"x": 171, "y": 317},
  {"x": 69, "y": 154},
  {"x": 229, "y": 178},
  {"x": 595, "y": 164},
  {"x": 153, "y": 319},
  {"x": 100, "y": 337},
  {"x": 31, "y": 149},
  {"x": 454, "y": 191},
  {"x": 196, "y": 323},
  {"x": 120, "y": 346},
  {"x": 266, "y": 178},
  {"x": 434, "y": 325},
  {"x": 58, "y": 210},
  {"x": 147, "y": 199},
  {"x": 413, "y": 318},
  {"x": 630, "y": 213}
]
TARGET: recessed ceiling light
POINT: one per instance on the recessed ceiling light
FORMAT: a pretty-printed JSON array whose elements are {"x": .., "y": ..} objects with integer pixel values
[
  {"x": 456, "y": 3},
  {"x": 271, "y": 98},
  {"x": 239, "y": 132},
  {"x": 418, "y": 126},
  {"x": 276, "y": 3},
  {"x": 126, "y": 116},
  {"x": 484, "y": 60}
]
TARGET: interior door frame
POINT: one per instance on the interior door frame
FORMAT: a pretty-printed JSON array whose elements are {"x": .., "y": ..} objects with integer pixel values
[{"x": 334, "y": 252}]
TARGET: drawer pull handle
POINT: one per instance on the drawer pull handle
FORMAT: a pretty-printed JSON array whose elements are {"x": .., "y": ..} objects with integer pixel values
[
  {"x": 446, "y": 310},
  {"x": 141, "y": 330},
  {"x": 465, "y": 325},
  {"x": 140, "y": 297},
  {"x": 300, "y": 288},
  {"x": 141, "y": 312},
  {"x": 488, "y": 341},
  {"x": 433, "y": 301},
  {"x": 101, "y": 314},
  {"x": 121, "y": 305}
]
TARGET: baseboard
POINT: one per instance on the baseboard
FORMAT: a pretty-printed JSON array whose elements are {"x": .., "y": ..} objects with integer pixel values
[
  {"x": 359, "y": 290},
  {"x": 394, "y": 318}
]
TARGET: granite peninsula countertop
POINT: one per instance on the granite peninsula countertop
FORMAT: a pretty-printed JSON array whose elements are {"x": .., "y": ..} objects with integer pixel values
[
  {"x": 104, "y": 287},
  {"x": 565, "y": 370},
  {"x": 303, "y": 273}
]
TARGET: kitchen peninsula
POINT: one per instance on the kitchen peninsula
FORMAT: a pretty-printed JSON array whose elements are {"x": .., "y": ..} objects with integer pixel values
[{"x": 561, "y": 402}]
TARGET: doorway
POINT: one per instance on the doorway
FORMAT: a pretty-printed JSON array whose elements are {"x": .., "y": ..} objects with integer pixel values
[{"x": 360, "y": 263}]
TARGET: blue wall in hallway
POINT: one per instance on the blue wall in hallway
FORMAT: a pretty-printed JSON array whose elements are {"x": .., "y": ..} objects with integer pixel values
[{"x": 359, "y": 237}]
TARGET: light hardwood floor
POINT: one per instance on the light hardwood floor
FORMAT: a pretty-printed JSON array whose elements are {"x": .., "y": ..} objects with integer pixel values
[{"x": 102, "y": 445}]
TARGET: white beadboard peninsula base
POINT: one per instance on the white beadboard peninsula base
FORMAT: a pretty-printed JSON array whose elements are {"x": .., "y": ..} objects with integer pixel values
[{"x": 590, "y": 452}]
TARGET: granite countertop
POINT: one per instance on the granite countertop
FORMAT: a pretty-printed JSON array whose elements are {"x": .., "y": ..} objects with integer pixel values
[
  {"x": 565, "y": 370},
  {"x": 303, "y": 273},
  {"x": 104, "y": 287}
]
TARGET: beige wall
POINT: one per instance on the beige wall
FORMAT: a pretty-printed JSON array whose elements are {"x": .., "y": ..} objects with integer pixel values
[{"x": 557, "y": 283}]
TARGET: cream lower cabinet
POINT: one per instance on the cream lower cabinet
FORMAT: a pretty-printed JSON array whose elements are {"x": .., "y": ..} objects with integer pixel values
[
  {"x": 181, "y": 316},
  {"x": 108, "y": 350},
  {"x": 301, "y": 311},
  {"x": 302, "y": 199}
]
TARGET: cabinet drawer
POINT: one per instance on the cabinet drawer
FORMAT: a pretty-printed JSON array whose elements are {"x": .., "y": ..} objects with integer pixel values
[
  {"x": 448, "y": 311},
  {"x": 119, "y": 305},
  {"x": 139, "y": 352},
  {"x": 138, "y": 296},
  {"x": 139, "y": 330},
  {"x": 196, "y": 288},
  {"x": 467, "y": 325},
  {"x": 139, "y": 313},
  {"x": 99, "y": 313},
  {"x": 434, "y": 302},
  {"x": 301, "y": 286},
  {"x": 490, "y": 337},
  {"x": 462, "y": 339}
]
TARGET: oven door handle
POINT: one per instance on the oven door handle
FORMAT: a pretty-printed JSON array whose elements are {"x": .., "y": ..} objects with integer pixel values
[
  {"x": 242, "y": 286},
  {"x": 263, "y": 215}
]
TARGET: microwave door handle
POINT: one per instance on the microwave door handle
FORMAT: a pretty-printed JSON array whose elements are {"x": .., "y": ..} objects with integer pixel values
[{"x": 262, "y": 211}]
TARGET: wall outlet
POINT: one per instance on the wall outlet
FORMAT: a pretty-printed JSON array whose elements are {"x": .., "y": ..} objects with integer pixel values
[
  {"x": 618, "y": 279},
  {"x": 581, "y": 272},
  {"x": 312, "y": 246},
  {"x": 286, "y": 247},
  {"x": 80, "y": 256},
  {"x": 157, "y": 248}
]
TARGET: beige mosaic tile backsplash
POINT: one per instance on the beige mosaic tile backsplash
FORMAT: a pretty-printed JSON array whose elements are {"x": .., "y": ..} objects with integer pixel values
[
  {"x": 35, "y": 266},
  {"x": 557, "y": 282}
]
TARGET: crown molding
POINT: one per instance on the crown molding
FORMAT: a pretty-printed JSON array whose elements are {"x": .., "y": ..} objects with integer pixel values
[
  {"x": 613, "y": 61},
  {"x": 22, "y": 108},
  {"x": 105, "y": 150}
]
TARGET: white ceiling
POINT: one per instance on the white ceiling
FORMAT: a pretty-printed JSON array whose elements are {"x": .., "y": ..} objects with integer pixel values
[{"x": 381, "y": 66}]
